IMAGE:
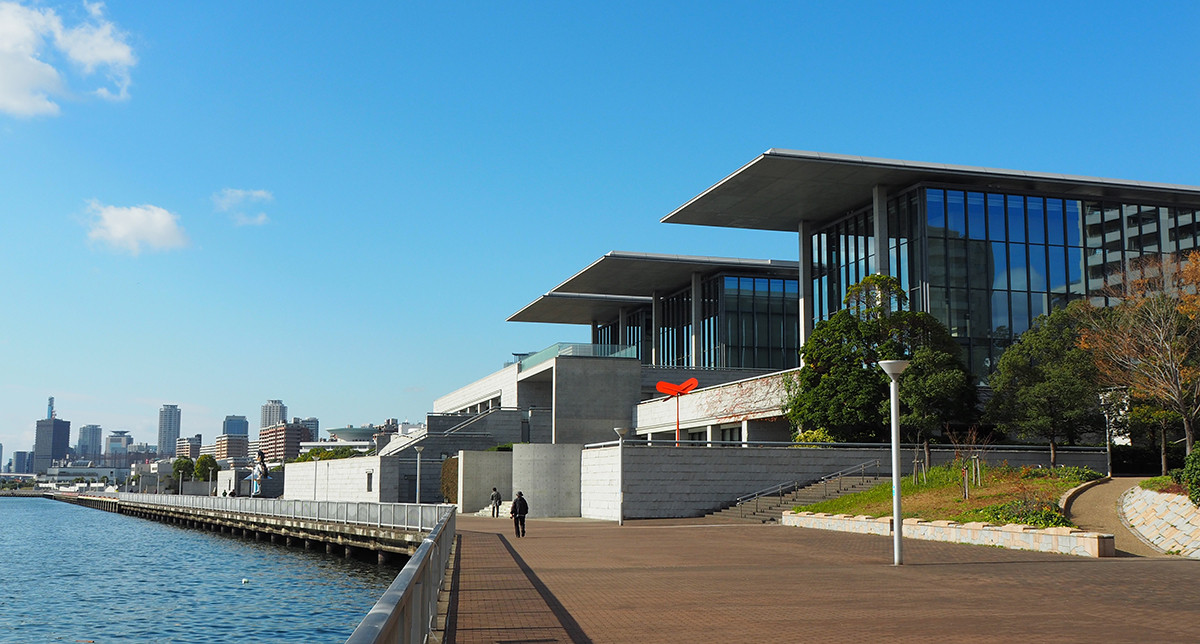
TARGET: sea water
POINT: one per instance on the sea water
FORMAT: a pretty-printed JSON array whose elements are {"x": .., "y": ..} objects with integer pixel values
[{"x": 75, "y": 574}]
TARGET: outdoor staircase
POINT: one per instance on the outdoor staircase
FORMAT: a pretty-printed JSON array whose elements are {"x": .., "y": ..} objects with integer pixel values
[
  {"x": 770, "y": 509},
  {"x": 505, "y": 507}
]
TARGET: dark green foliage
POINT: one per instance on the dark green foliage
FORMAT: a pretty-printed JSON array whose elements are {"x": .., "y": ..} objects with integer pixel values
[
  {"x": 206, "y": 467},
  {"x": 1045, "y": 386},
  {"x": 1040, "y": 514},
  {"x": 321, "y": 453},
  {"x": 1176, "y": 475},
  {"x": 506, "y": 447},
  {"x": 841, "y": 389},
  {"x": 1190, "y": 477},
  {"x": 182, "y": 466},
  {"x": 1076, "y": 474}
]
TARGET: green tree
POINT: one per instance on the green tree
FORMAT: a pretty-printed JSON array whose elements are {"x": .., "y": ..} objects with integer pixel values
[
  {"x": 321, "y": 453},
  {"x": 1156, "y": 424},
  {"x": 840, "y": 388},
  {"x": 182, "y": 466},
  {"x": 1045, "y": 385},
  {"x": 206, "y": 467}
]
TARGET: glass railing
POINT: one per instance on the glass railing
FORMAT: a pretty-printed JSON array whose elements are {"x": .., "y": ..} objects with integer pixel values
[{"x": 570, "y": 349}]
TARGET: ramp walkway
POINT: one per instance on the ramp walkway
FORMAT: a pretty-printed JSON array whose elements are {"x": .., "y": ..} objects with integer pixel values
[
  {"x": 700, "y": 580},
  {"x": 1095, "y": 509}
]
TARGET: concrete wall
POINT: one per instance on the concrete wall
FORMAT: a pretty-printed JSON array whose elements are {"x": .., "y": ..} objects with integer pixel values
[
  {"x": 503, "y": 382},
  {"x": 227, "y": 479},
  {"x": 345, "y": 479},
  {"x": 549, "y": 475},
  {"x": 592, "y": 396},
  {"x": 720, "y": 405},
  {"x": 667, "y": 481},
  {"x": 478, "y": 473}
]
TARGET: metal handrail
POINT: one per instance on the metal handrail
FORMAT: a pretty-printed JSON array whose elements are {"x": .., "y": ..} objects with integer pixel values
[
  {"x": 841, "y": 474},
  {"x": 407, "y": 611},
  {"x": 789, "y": 486}
]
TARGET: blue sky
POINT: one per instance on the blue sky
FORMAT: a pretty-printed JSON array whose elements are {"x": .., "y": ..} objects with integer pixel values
[{"x": 212, "y": 204}]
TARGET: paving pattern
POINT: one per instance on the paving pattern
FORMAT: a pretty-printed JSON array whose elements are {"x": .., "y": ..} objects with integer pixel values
[{"x": 692, "y": 580}]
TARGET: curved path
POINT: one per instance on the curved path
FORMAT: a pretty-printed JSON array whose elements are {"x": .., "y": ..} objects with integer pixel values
[{"x": 1095, "y": 509}]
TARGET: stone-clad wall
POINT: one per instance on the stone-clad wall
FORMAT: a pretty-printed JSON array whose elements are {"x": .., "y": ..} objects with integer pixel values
[
  {"x": 1169, "y": 521},
  {"x": 667, "y": 481},
  {"x": 1068, "y": 541}
]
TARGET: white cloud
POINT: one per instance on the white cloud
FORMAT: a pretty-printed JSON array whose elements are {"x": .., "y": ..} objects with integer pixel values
[
  {"x": 231, "y": 200},
  {"x": 131, "y": 228},
  {"x": 241, "y": 219},
  {"x": 36, "y": 48}
]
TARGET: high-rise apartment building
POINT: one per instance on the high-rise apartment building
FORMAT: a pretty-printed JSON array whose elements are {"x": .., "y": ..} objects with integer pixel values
[
  {"x": 313, "y": 425},
  {"x": 168, "y": 429},
  {"x": 273, "y": 413},
  {"x": 232, "y": 446},
  {"x": 188, "y": 447},
  {"x": 282, "y": 441},
  {"x": 22, "y": 462},
  {"x": 88, "y": 444},
  {"x": 235, "y": 426},
  {"x": 51, "y": 442}
]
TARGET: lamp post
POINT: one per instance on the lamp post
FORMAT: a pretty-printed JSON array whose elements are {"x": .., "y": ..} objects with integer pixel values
[
  {"x": 620, "y": 474},
  {"x": 419, "y": 449},
  {"x": 893, "y": 368}
]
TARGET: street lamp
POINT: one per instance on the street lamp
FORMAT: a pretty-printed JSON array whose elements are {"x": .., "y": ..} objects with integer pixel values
[
  {"x": 620, "y": 474},
  {"x": 419, "y": 448},
  {"x": 893, "y": 368}
]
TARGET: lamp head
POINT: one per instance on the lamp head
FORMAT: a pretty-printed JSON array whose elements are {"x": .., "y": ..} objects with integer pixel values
[{"x": 893, "y": 368}]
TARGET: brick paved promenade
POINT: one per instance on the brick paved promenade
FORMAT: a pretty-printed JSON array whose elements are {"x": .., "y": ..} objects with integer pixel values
[{"x": 690, "y": 581}]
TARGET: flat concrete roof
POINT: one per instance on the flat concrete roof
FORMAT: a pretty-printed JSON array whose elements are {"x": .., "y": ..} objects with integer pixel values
[
  {"x": 781, "y": 188},
  {"x": 622, "y": 279}
]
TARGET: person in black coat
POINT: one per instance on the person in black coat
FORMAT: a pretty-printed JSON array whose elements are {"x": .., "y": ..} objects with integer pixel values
[{"x": 520, "y": 507}]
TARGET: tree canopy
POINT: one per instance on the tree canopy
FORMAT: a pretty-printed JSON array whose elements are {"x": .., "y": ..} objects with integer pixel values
[
  {"x": 182, "y": 466},
  {"x": 840, "y": 388},
  {"x": 1148, "y": 338},
  {"x": 206, "y": 467},
  {"x": 1045, "y": 385}
]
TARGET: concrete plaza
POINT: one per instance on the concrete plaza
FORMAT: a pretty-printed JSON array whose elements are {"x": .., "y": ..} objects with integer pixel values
[{"x": 693, "y": 580}]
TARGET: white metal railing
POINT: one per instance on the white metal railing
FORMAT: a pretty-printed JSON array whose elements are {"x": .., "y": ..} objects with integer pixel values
[
  {"x": 407, "y": 611},
  {"x": 404, "y": 516}
]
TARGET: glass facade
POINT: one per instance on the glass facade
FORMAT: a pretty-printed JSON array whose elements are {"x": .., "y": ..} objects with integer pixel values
[
  {"x": 987, "y": 264},
  {"x": 744, "y": 322}
]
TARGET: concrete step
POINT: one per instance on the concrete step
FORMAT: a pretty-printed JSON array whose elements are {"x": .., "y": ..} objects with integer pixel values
[
  {"x": 771, "y": 509},
  {"x": 505, "y": 507}
]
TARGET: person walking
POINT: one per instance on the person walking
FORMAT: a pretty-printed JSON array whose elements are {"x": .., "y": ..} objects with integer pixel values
[
  {"x": 495, "y": 503},
  {"x": 520, "y": 507}
]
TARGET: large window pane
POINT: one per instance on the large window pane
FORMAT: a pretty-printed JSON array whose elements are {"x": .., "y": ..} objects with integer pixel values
[
  {"x": 1057, "y": 272},
  {"x": 1016, "y": 219},
  {"x": 1037, "y": 268},
  {"x": 1055, "y": 227},
  {"x": 976, "y": 221},
  {"x": 1036, "y": 220},
  {"x": 938, "y": 307},
  {"x": 1020, "y": 312},
  {"x": 980, "y": 314},
  {"x": 1001, "y": 328},
  {"x": 1018, "y": 273},
  {"x": 999, "y": 266},
  {"x": 937, "y": 261},
  {"x": 935, "y": 205},
  {"x": 956, "y": 214},
  {"x": 959, "y": 312},
  {"x": 1073, "y": 215},
  {"x": 995, "y": 218}
]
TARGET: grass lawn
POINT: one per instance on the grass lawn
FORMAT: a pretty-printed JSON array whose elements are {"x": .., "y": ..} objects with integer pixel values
[{"x": 1007, "y": 495}]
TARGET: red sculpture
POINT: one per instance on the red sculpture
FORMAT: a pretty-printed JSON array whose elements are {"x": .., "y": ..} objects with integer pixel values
[{"x": 675, "y": 391}]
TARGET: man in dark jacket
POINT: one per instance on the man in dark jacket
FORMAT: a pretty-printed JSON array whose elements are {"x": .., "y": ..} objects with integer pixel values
[
  {"x": 496, "y": 500},
  {"x": 519, "y": 509}
]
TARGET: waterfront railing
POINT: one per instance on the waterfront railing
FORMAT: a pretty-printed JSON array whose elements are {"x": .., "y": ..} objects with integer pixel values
[
  {"x": 407, "y": 611},
  {"x": 403, "y": 516}
]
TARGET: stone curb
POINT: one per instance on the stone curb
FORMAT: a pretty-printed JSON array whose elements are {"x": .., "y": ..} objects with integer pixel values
[{"x": 1069, "y": 496}]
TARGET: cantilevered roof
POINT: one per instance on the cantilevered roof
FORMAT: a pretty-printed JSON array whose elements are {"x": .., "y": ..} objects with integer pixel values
[
  {"x": 781, "y": 188},
  {"x": 620, "y": 279}
]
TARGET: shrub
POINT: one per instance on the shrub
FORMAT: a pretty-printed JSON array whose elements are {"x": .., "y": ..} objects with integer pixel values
[
  {"x": 1176, "y": 475},
  {"x": 818, "y": 435},
  {"x": 1077, "y": 474},
  {"x": 1162, "y": 484},
  {"x": 1037, "y": 513},
  {"x": 1191, "y": 476}
]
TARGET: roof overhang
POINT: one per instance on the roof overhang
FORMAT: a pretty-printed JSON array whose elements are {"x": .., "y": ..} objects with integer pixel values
[
  {"x": 782, "y": 188},
  {"x": 619, "y": 280}
]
